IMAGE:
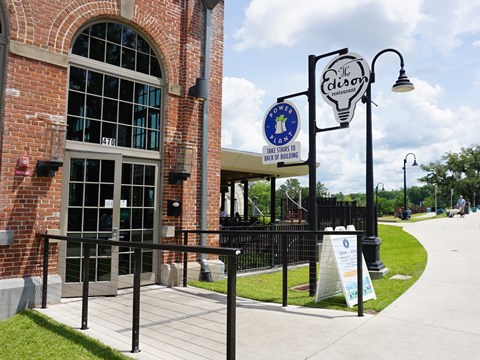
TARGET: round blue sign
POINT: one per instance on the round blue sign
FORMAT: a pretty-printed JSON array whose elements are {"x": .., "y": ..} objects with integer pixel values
[{"x": 281, "y": 124}]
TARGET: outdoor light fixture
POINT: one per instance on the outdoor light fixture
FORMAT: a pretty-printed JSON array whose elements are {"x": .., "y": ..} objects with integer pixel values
[
  {"x": 174, "y": 208},
  {"x": 404, "y": 213},
  {"x": 371, "y": 243},
  {"x": 47, "y": 168},
  {"x": 200, "y": 89},
  {"x": 183, "y": 168}
]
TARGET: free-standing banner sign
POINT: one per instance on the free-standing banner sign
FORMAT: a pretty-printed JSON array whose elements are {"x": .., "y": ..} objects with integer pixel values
[
  {"x": 281, "y": 126},
  {"x": 338, "y": 270},
  {"x": 344, "y": 81}
]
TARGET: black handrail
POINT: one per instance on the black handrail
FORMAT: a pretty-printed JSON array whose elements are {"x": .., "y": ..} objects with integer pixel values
[
  {"x": 315, "y": 234},
  {"x": 232, "y": 253}
]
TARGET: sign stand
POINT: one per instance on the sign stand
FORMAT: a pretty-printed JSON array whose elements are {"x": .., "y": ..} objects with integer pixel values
[{"x": 338, "y": 269}]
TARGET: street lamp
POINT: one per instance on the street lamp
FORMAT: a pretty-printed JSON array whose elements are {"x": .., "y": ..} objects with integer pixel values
[
  {"x": 405, "y": 213},
  {"x": 376, "y": 206},
  {"x": 371, "y": 243}
]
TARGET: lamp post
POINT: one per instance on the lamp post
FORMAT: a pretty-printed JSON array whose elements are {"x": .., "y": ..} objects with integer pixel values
[
  {"x": 376, "y": 206},
  {"x": 371, "y": 243},
  {"x": 405, "y": 213}
]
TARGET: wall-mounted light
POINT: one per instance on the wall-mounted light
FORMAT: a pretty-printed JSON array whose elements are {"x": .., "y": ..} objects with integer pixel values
[
  {"x": 183, "y": 167},
  {"x": 47, "y": 168},
  {"x": 200, "y": 89},
  {"x": 174, "y": 208}
]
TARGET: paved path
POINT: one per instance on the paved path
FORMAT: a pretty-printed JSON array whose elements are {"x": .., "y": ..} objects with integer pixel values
[{"x": 437, "y": 318}]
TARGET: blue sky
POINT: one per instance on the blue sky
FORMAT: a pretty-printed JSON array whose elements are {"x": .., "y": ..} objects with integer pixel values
[{"x": 267, "y": 43}]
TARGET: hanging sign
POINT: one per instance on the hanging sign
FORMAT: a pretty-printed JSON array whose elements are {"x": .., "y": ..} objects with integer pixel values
[
  {"x": 281, "y": 126},
  {"x": 344, "y": 82},
  {"x": 338, "y": 270}
]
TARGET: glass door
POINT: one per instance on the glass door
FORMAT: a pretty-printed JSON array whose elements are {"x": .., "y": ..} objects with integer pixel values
[{"x": 91, "y": 208}]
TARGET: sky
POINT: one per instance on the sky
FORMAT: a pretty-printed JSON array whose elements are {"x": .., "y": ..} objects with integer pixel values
[{"x": 267, "y": 44}]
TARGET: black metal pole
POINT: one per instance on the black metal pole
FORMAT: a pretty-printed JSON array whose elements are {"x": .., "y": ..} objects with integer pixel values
[
  {"x": 404, "y": 212},
  {"x": 86, "y": 282},
  {"x": 273, "y": 208},
  {"x": 136, "y": 300},
  {"x": 231, "y": 307},
  {"x": 359, "y": 276},
  {"x": 185, "y": 261},
  {"x": 45, "y": 273},
  {"x": 312, "y": 172},
  {"x": 284, "y": 271}
]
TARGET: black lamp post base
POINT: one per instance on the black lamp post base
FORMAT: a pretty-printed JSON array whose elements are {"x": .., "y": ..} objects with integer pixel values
[{"x": 371, "y": 252}]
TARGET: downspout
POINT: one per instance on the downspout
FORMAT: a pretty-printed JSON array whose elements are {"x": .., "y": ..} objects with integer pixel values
[{"x": 205, "y": 270}]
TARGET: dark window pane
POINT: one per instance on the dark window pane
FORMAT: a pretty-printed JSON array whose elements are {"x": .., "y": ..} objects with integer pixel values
[
  {"x": 148, "y": 236},
  {"x": 137, "y": 236},
  {"x": 155, "y": 68},
  {"x": 123, "y": 264},
  {"x": 95, "y": 83},
  {"x": 149, "y": 175},
  {"x": 142, "y": 45},
  {"x": 124, "y": 136},
  {"x": 126, "y": 173},
  {"x": 104, "y": 269},
  {"x": 75, "y": 197},
  {"x": 72, "y": 270},
  {"x": 141, "y": 94},
  {"x": 74, "y": 220},
  {"x": 137, "y": 196},
  {"x": 109, "y": 110},
  {"x": 149, "y": 199},
  {"x": 91, "y": 195},
  {"x": 154, "y": 119},
  {"x": 94, "y": 107},
  {"x": 138, "y": 174},
  {"x": 126, "y": 90},
  {"x": 76, "y": 103},
  {"x": 113, "y": 54},
  {"x": 148, "y": 218},
  {"x": 90, "y": 219},
  {"x": 109, "y": 130},
  {"x": 75, "y": 128},
  {"x": 111, "y": 87},
  {"x": 98, "y": 30},
  {"x": 97, "y": 49},
  {"x": 93, "y": 170},
  {"x": 128, "y": 59},
  {"x": 74, "y": 249},
  {"x": 140, "y": 116},
  {"x": 142, "y": 63},
  {"x": 136, "y": 221},
  {"x": 105, "y": 220},
  {"x": 126, "y": 194},
  {"x": 147, "y": 265},
  {"x": 153, "y": 142},
  {"x": 125, "y": 114},
  {"x": 77, "y": 78},
  {"x": 108, "y": 171},
  {"x": 106, "y": 193},
  {"x": 91, "y": 269},
  {"x": 76, "y": 169},
  {"x": 139, "y": 138},
  {"x": 124, "y": 218},
  {"x": 154, "y": 97},
  {"x": 80, "y": 47},
  {"x": 129, "y": 37},
  {"x": 114, "y": 33},
  {"x": 92, "y": 131}
]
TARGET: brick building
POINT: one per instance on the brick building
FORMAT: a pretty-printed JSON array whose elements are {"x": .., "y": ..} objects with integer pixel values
[{"x": 99, "y": 133}]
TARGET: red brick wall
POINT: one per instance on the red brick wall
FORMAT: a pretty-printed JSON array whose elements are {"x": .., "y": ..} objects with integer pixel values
[{"x": 36, "y": 97}]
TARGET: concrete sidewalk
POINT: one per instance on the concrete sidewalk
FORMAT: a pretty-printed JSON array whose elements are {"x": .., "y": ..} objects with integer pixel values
[{"x": 437, "y": 318}]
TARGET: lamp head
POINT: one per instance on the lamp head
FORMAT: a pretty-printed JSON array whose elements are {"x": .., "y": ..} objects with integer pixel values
[
  {"x": 415, "y": 162},
  {"x": 402, "y": 84}
]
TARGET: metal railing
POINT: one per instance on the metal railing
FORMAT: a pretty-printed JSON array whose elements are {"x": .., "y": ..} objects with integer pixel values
[{"x": 230, "y": 253}]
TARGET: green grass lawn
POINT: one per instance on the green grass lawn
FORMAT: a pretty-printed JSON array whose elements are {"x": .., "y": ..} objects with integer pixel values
[
  {"x": 400, "y": 252},
  {"x": 31, "y": 335}
]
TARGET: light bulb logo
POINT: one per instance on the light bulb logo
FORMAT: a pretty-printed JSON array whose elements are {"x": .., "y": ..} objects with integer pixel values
[{"x": 344, "y": 81}]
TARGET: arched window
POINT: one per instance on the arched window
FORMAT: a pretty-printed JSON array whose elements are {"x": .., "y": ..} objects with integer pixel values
[{"x": 115, "y": 89}]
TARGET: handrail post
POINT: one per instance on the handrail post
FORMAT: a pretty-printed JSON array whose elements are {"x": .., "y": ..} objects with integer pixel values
[
  {"x": 86, "y": 267},
  {"x": 231, "y": 306},
  {"x": 45, "y": 273},
  {"x": 136, "y": 300},
  {"x": 284, "y": 271},
  {"x": 185, "y": 261},
  {"x": 359, "y": 276}
]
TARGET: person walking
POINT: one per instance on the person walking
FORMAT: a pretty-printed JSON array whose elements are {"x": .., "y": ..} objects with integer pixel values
[{"x": 461, "y": 206}]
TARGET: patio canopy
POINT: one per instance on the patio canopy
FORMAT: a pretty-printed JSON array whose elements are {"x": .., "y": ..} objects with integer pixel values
[{"x": 239, "y": 165}]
